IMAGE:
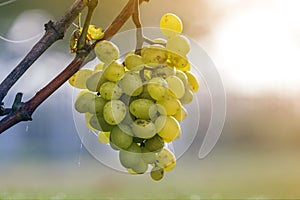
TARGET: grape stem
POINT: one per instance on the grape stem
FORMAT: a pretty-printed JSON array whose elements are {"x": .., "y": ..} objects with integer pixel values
[{"x": 55, "y": 31}]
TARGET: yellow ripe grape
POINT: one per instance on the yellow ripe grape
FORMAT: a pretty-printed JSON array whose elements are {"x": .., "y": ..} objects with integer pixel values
[
  {"x": 170, "y": 24},
  {"x": 88, "y": 117},
  {"x": 176, "y": 86},
  {"x": 181, "y": 114},
  {"x": 114, "y": 71},
  {"x": 99, "y": 67},
  {"x": 78, "y": 80},
  {"x": 193, "y": 82},
  {"x": 178, "y": 44},
  {"x": 95, "y": 33},
  {"x": 103, "y": 137},
  {"x": 166, "y": 160},
  {"x": 179, "y": 62},
  {"x": 168, "y": 128},
  {"x": 132, "y": 61},
  {"x": 171, "y": 105},
  {"x": 154, "y": 54}
]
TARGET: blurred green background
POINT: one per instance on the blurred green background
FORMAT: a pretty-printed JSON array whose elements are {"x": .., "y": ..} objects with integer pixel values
[{"x": 256, "y": 48}]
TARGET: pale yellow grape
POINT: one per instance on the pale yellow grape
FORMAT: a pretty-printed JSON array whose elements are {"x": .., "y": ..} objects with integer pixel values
[
  {"x": 106, "y": 51},
  {"x": 78, "y": 80},
  {"x": 193, "y": 82},
  {"x": 131, "y": 156},
  {"x": 178, "y": 61},
  {"x": 154, "y": 54},
  {"x": 157, "y": 173},
  {"x": 83, "y": 101},
  {"x": 131, "y": 84},
  {"x": 176, "y": 86},
  {"x": 110, "y": 90},
  {"x": 178, "y": 44},
  {"x": 87, "y": 118},
  {"x": 147, "y": 156},
  {"x": 95, "y": 33},
  {"x": 166, "y": 160},
  {"x": 181, "y": 114},
  {"x": 141, "y": 167},
  {"x": 168, "y": 128},
  {"x": 180, "y": 74},
  {"x": 143, "y": 128},
  {"x": 103, "y": 137},
  {"x": 140, "y": 108},
  {"x": 120, "y": 138},
  {"x": 170, "y": 104},
  {"x": 132, "y": 61},
  {"x": 94, "y": 81},
  {"x": 170, "y": 24},
  {"x": 187, "y": 97},
  {"x": 157, "y": 88},
  {"x": 94, "y": 122},
  {"x": 114, "y": 112},
  {"x": 99, "y": 67},
  {"x": 114, "y": 71}
]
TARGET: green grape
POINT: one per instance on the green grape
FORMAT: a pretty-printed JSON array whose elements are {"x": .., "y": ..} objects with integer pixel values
[
  {"x": 94, "y": 122},
  {"x": 140, "y": 108},
  {"x": 114, "y": 71},
  {"x": 187, "y": 97},
  {"x": 79, "y": 78},
  {"x": 145, "y": 94},
  {"x": 87, "y": 118},
  {"x": 98, "y": 106},
  {"x": 157, "y": 173},
  {"x": 163, "y": 71},
  {"x": 114, "y": 112},
  {"x": 104, "y": 125},
  {"x": 120, "y": 138},
  {"x": 181, "y": 114},
  {"x": 143, "y": 128},
  {"x": 193, "y": 82},
  {"x": 132, "y": 61},
  {"x": 147, "y": 156},
  {"x": 141, "y": 167},
  {"x": 99, "y": 67},
  {"x": 157, "y": 88},
  {"x": 110, "y": 90},
  {"x": 179, "y": 62},
  {"x": 131, "y": 156},
  {"x": 166, "y": 160},
  {"x": 84, "y": 102},
  {"x": 168, "y": 128},
  {"x": 178, "y": 44},
  {"x": 156, "y": 143},
  {"x": 170, "y": 104},
  {"x": 94, "y": 82},
  {"x": 170, "y": 24},
  {"x": 95, "y": 33},
  {"x": 176, "y": 86},
  {"x": 106, "y": 51},
  {"x": 154, "y": 54},
  {"x": 103, "y": 137},
  {"x": 180, "y": 74},
  {"x": 131, "y": 84}
]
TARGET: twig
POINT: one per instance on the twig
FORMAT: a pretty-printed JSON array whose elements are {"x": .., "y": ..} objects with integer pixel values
[
  {"x": 25, "y": 110},
  {"x": 54, "y": 32},
  {"x": 139, "y": 31}
]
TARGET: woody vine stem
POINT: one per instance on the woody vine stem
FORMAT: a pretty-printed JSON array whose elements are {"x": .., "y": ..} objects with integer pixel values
[{"x": 22, "y": 111}]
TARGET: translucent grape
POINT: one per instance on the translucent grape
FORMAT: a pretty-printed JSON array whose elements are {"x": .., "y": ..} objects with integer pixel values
[
  {"x": 156, "y": 143},
  {"x": 166, "y": 160},
  {"x": 178, "y": 61},
  {"x": 176, "y": 86},
  {"x": 87, "y": 118},
  {"x": 98, "y": 106},
  {"x": 114, "y": 112},
  {"x": 106, "y": 51},
  {"x": 178, "y": 44},
  {"x": 114, "y": 71},
  {"x": 170, "y": 104},
  {"x": 110, "y": 90},
  {"x": 157, "y": 88},
  {"x": 147, "y": 156},
  {"x": 154, "y": 54},
  {"x": 141, "y": 167},
  {"x": 193, "y": 82},
  {"x": 181, "y": 114},
  {"x": 168, "y": 128},
  {"x": 131, "y": 156},
  {"x": 94, "y": 81},
  {"x": 120, "y": 138},
  {"x": 131, "y": 84},
  {"x": 84, "y": 102},
  {"x": 78, "y": 80},
  {"x": 157, "y": 173},
  {"x": 132, "y": 61},
  {"x": 140, "y": 108},
  {"x": 170, "y": 24},
  {"x": 187, "y": 97},
  {"x": 180, "y": 74},
  {"x": 143, "y": 128},
  {"x": 103, "y": 137}
]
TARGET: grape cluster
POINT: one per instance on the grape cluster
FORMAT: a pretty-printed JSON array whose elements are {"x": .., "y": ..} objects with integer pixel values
[{"x": 136, "y": 105}]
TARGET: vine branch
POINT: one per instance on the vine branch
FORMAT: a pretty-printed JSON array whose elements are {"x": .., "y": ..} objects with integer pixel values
[{"x": 24, "y": 111}]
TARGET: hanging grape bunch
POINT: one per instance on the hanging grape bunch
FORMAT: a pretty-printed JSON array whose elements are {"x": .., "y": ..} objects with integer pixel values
[{"x": 135, "y": 104}]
